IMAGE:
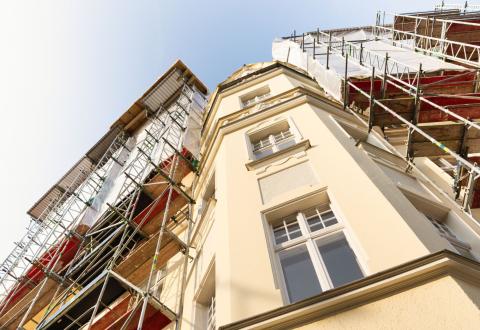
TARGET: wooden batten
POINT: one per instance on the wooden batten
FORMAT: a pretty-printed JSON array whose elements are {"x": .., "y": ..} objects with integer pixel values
[{"x": 138, "y": 264}]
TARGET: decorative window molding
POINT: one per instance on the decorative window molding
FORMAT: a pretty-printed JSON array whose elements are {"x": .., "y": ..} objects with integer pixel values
[
  {"x": 205, "y": 301},
  {"x": 295, "y": 151},
  {"x": 272, "y": 137},
  {"x": 313, "y": 252},
  {"x": 255, "y": 96}
]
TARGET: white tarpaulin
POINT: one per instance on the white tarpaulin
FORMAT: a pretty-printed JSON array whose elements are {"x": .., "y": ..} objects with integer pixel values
[
  {"x": 290, "y": 52},
  {"x": 409, "y": 57},
  {"x": 98, "y": 205},
  {"x": 194, "y": 126},
  {"x": 403, "y": 61}
]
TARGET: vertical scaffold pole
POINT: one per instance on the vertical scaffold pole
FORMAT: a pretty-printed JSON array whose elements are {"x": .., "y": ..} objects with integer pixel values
[
  {"x": 361, "y": 53},
  {"x": 372, "y": 101},
  {"x": 345, "y": 86},
  {"x": 314, "y": 42},
  {"x": 385, "y": 72},
  {"x": 328, "y": 57},
  {"x": 415, "y": 113},
  {"x": 183, "y": 284},
  {"x": 162, "y": 231},
  {"x": 467, "y": 201}
]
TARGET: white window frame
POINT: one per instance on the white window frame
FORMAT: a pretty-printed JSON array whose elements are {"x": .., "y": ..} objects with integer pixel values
[
  {"x": 292, "y": 128},
  {"x": 310, "y": 239},
  {"x": 272, "y": 142},
  {"x": 255, "y": 96},
  {"x": 255, "y": 99},
  {"x": 211, "y": 314},
  {"x": 205, "y": 298}
]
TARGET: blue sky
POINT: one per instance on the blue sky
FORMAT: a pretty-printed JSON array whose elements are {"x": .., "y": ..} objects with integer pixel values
[{"x": 68, "y": 69}]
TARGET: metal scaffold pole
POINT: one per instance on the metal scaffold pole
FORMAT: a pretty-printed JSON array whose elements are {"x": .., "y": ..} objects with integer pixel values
[
  {"x": 72, "y": 210},
  {"x": 55, "y": 221},
  {"x": 119, "y": 224},
  {"x": 396, "y": 77},
  {"x": 160, "y": 238}
]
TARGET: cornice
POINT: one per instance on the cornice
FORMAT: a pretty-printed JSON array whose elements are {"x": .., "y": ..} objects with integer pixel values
[
  {"x": 277, "y": 104},
  {"x": 368, "y": 289},
  {"x": 253, "y": 78}
]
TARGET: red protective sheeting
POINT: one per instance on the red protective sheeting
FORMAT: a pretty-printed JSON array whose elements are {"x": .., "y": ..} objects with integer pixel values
[
  {"x": 463, "y": 79},
  {"x": 155, "y": 322},
  {"x": 157, "y": 206},
  {"x": 69, "y": 248},
  {"x": 35, "y": 274},
  {"x": 458, "y": 28},
  {"x": 154, "y": 208},
  {"x": 114, "y": 318},
  {"x": 467, "y": 106},
  {"x": 476, "y": 188}
]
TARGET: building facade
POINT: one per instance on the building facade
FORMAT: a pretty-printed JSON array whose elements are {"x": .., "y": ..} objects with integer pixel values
[
  {"x": 321, "y": 190},
  {"x": 307, "y": 220}
]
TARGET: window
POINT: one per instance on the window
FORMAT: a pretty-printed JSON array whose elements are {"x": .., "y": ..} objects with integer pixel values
[
  {"x": 255, "y": 96},
  {"x": 255, "y": 99},
  {"x": 159, "y": 282},
  {"x": 313, "y": 253},
  {"x": 463, "y": 248},
  {"x": 272, "y": 139},
  {"x": 206, "y": 302},
  {"x": 211, "y": 324}
]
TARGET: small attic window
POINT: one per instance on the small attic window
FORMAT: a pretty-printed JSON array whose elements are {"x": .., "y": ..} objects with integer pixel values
[{"x": 255, "y": 96}]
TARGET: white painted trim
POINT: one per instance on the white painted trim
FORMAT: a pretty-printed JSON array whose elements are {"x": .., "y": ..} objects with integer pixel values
[{"x": 309, "y": 240}]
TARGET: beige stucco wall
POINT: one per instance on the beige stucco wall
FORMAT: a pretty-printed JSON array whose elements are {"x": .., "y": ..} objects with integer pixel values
[
  {"x": 384, "y": 228},
  {"x": 445, "y": 303},
  {"x": 278, "y": 82}
]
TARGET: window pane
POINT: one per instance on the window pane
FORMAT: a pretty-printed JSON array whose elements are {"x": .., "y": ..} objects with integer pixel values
[
  {"x": 340, "y": 261},
  {"x": 287, "y": 229},
  {"x": 314, "y": 223},
  {"x": 300, "y": 277},
  {"x": 263, "y": 152},
  {"x": 280, "y": 235},
  {"x": 330, "y": 222},
  {"x": 328, "y": 215},
  {"x": 294, "y": 230},
  {"x": 285, "y": 143}
]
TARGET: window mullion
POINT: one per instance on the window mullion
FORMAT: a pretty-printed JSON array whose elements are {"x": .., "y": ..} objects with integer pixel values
[
  {"x": 303, "y": 225},
  {"x": 286, "y": 229},
  {"x": 320, "y": 269},
  {"x": 318, "y": 265},
  {"x": 271, "y": 137}
]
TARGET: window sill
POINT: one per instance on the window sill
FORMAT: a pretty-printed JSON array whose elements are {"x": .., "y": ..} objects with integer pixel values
[{"x": 299, "y": 146}]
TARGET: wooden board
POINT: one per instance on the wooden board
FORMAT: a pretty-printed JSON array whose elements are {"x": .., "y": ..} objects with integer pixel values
[
  {"x": 138, "y": 263},
  {"x": 157, "y": 185},
  {"x": 449, "y": 134}
]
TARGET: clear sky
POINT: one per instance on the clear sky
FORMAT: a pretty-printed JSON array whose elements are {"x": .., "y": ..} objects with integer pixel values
[{"x": 69, "y": 68}]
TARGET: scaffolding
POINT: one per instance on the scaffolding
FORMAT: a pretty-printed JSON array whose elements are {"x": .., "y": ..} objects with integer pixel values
[
  {"x": 37, "y": 247},
  {"x": 96, "y": 255},
  {"x": 413, "y": 77}
]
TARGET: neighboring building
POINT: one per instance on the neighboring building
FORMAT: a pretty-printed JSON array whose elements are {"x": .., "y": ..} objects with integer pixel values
[{"x": 300, "y": 198}]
